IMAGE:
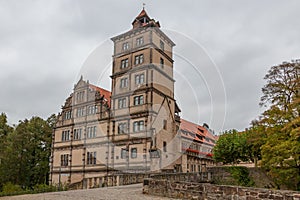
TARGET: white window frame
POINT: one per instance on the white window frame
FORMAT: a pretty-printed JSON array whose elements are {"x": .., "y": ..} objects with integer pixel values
[
  {"x": 138, "y": 100},
  {"x": 122, "y": 103},
  {"x": 138, "y": 126},
  {"x": 125, "y": 46},
  {"x": 91, "y": 132},
  {"x": 122, "y": 128},
  {"x": 139, "y": 59},
  {"x": 124, "y": 63},
  {"x": 124, "y": 83},
  {"x": 139, "y": 79},
  {"x": 139, "y": 41}
]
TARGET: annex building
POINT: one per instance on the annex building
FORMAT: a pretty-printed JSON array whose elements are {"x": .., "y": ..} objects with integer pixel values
[{"x": 134, "y": 128}]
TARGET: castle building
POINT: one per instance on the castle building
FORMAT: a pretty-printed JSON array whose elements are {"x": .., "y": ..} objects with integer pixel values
[{"x": 135, "y": 127}]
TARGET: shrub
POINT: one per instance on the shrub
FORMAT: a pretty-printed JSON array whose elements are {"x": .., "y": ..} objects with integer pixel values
[{"x": 241, "y": 175}]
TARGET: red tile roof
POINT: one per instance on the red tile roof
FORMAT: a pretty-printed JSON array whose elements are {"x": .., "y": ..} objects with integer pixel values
[
  {"x": 196, "y": 132},
  {"x": 142, "y": 14},
  {"x": 102, "y": 91}
]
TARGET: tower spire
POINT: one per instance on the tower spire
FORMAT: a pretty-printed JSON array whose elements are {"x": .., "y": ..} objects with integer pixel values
[{"x": 144, "y": 6}]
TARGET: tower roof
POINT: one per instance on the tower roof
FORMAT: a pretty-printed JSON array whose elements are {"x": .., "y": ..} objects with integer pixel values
[
  {"x": 143, "y": 14},
  {"x": 143, "y": 20}
]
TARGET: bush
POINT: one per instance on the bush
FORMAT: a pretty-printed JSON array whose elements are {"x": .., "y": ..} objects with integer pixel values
[
  {"x": 40, "y": 188},
  {"x": 241, "y": 175},
  {"x": 11, "y": 189}
]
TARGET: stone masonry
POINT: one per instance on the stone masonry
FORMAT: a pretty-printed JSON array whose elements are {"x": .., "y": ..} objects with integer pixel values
[{"x": 184, "y": 190}]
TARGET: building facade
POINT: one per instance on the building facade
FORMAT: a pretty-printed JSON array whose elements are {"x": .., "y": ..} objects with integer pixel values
[{"x": 135, "y": 127}]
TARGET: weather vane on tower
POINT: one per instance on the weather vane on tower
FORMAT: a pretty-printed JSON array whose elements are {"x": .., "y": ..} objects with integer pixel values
[{"x": 144, "y": 6}]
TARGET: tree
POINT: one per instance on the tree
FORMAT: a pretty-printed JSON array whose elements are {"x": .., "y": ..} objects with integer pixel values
[
  {"x": 27, "y": 153},
  {"x": 5, "y": 130},
  {"x": 256, "y": 137},
  {"x": 231, "y": 147},
  {"x": 282, "y": 85},
  {"x": 281, "y": 151}
]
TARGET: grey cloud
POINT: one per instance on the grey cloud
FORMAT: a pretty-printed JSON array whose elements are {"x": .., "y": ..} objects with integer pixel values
[{"x": 45, "y": 45}]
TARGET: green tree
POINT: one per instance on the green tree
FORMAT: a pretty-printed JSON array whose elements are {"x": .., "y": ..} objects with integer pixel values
[
  {"x": 256, "y": 137},
  {"x": 5, "y": 130},
  {"x": 27, "y": 153},
  {"x": 231, "y": 147},
  {"x": 281, "y": 151}
]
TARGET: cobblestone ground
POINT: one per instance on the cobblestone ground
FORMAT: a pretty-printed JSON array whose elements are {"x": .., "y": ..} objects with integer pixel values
[{"x": 130, "y": 192}]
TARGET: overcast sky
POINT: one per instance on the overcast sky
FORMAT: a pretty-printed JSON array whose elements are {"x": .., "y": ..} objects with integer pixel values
[{"x": 223, "y": 50}]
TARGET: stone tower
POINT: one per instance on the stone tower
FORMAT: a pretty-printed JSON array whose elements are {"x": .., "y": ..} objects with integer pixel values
[{"x": 144, "y": 120}]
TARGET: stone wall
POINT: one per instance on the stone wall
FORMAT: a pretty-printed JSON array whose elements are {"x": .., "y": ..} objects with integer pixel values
[
  {"x": 222, "y": 176},
  {"x": 184, "y": 190},
  {"x": 133, "y": 178}
]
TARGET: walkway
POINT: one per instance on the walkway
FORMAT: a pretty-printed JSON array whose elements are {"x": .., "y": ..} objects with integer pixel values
[{"x": 129, "y": 192}]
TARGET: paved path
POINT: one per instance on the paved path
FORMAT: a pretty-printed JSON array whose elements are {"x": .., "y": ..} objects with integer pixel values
[{"x": 130, "y": 192}]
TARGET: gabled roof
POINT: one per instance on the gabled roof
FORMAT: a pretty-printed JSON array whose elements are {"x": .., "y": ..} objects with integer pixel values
[
  {"x": 103, "y": 92},
  {"x": 143, "y": 14},
  {"x": 143, "y": 20}
]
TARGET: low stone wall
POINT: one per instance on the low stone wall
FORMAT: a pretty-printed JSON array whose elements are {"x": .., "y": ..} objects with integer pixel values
[
  {"x": 185, "y": 190},
  {"x": 198, "y": 177},
  {"x": 133, "y": 178}
]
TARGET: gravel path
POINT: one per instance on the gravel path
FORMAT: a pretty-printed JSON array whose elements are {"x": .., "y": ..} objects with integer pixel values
[{"x": 130, "y": 192}]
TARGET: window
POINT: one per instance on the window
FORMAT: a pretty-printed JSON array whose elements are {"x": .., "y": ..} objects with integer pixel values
[
  {"x": 164, "y": 146},
  {"x": 65, "y": 135},
  {"x": 64, "y": 160},
  {"x": 68, "y": 114},
  {"x": 122, "y": 128},
  {"x": 165, "y": 124},
  {"x": 133, "y": 152},
  {"x": 124, "y": 63},
  {"x": 91, "y": 158},
  {"x": 91, "y": 132},
  {"x": 92, "y": 110},
  {"x": 80, "y": 96},
  {"x": 138, "y": 100},
  {"x": 138, "y": 126},
  {"x": 139, "y": 59},
  {"x": 125, "y": 46},
  {"x": 124, "y": 83},
  {"x": 139, "y": 41},
  {"x": 77, "y": 134},
  {"x": 80, "y": 112},
  {"x": 162, "y": 45},
  {"x": 122, "y": 103},
  {"x": 124, "y": 153},
  {"x": 154, "y": 154},
  {"x": 162, "y": 62},
  {"x": 139, "y": 79}
]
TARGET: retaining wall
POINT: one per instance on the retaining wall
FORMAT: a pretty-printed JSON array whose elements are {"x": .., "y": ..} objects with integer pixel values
[{"x": 185, "y": 190}]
